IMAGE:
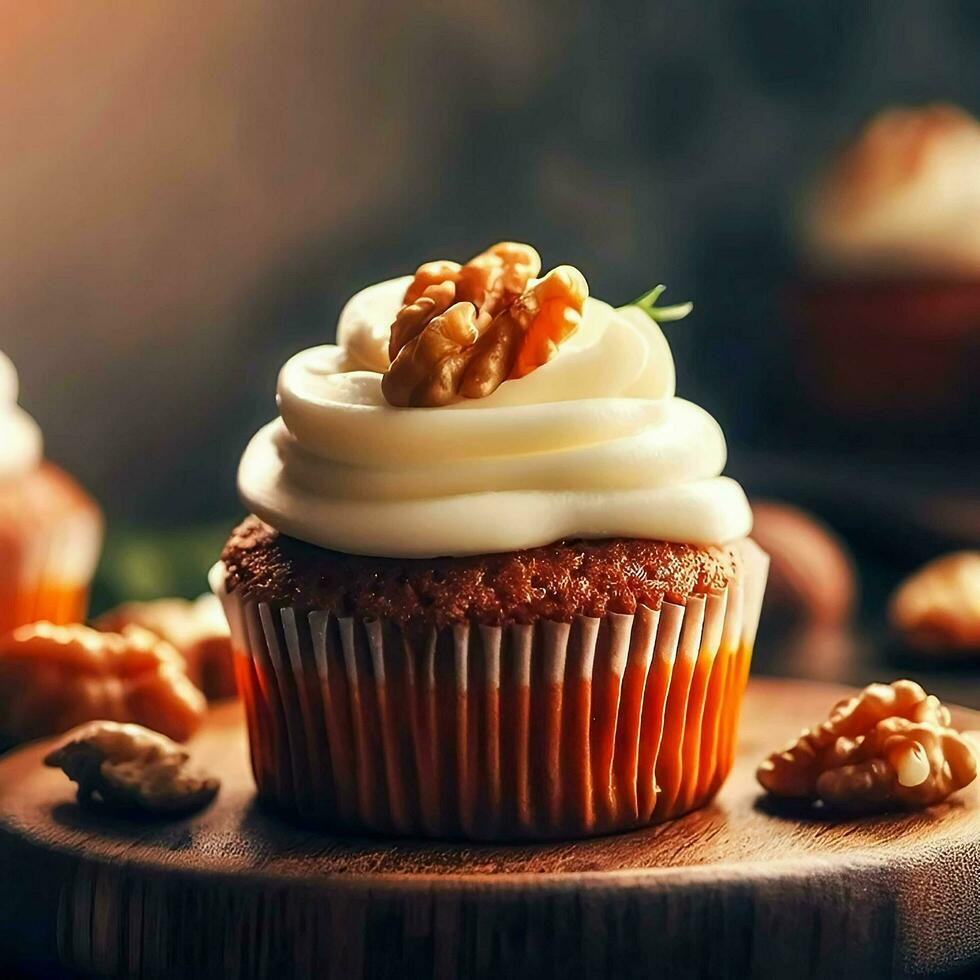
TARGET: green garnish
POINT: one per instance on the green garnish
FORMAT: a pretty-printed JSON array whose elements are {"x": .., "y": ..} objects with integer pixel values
[{"x": 661, "y": 314}]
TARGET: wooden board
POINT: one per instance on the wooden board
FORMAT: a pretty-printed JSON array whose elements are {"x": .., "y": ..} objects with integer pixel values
[{"x": 738, "y": 889}]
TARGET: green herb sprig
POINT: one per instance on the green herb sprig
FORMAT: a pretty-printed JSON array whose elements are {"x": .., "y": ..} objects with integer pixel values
[{"x": 661, "y": 314}]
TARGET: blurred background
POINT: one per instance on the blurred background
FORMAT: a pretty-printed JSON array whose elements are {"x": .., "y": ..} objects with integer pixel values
[{"x": 191, "y": 191}]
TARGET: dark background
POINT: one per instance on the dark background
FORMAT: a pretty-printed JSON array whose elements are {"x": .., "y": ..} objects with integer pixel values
[{"x": 189, "y": 192}]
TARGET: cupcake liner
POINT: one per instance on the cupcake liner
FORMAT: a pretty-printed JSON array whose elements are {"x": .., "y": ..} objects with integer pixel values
[
  {"x": 496, "y": 733},
  {"x": 47, "y": 557}
]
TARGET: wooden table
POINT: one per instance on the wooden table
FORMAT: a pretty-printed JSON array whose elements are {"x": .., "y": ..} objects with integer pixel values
[{"x": 741, "y": 888}]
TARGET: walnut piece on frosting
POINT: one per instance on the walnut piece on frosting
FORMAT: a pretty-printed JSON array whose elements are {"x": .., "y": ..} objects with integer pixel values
[
  {"x": 464, "y": 330},
  {"x": 197, "y": 629},
  {"x": 937, "y": 609},
  {"x": 53, "y": 678},
  {"x": 888, "y": 746},
  {"x": 128, "y": 767},
  {"x": 490, "y": 281}
]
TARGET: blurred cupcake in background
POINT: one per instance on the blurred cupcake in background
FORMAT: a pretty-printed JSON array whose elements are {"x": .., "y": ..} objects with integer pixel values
[
  {"x": 50, "y": 530},
  {"x": 889, "y": 309}
]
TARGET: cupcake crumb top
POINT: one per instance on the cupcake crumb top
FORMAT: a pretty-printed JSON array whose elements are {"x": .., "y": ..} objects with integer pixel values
[{"x": 555, "y": 582}]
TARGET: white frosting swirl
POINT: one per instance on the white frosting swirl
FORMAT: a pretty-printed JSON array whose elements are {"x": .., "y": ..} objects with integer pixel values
[
  {"x": 592, "y": 444},
  {"x": 20, "y": 438},
  {"x": 905, "y": 197}
]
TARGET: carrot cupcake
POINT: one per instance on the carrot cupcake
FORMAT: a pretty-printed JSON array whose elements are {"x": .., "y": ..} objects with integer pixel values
[
  {"x": 889, "y": 309},
  {"x": 493, "y": 585},
  {"x": 50, "y": 530}
]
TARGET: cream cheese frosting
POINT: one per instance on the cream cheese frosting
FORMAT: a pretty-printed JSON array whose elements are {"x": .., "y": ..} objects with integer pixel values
[
  {"x": 21, "y": 445},
  {"x": 593, "y": 444},
  {"x": 904, "y": 197}
]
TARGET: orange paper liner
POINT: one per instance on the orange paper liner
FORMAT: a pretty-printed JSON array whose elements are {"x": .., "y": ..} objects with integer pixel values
[
  {"x": 50, "y": 539},
  {"x": 517, "y": 733}
]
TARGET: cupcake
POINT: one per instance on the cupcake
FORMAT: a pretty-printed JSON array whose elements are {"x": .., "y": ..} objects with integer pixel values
[
  {"x": 889, "y": 310},
  {"x": 50, "y": 530},
  {"x": 493, "y": 585}
]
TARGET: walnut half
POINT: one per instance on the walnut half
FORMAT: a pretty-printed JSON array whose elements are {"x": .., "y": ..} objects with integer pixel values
[
  {"x": 889, "y": 745},
  {"x": 197, "y": 629},
  {"x": 464, "y": 330},
  {"x": 938, "y": 608},
  {"x": 53, "y": 678},
  {"x": 898, "y": 762},
  {"x": 128, "y": 767}
]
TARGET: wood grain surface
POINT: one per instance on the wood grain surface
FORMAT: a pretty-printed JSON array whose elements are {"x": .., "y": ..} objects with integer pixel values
[{"x": 740, "y": 888}]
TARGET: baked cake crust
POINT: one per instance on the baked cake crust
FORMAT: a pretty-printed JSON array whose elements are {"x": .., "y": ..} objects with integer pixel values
[{"x": 555, "y": 582}]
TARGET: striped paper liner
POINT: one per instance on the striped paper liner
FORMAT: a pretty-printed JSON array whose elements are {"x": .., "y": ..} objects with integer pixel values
[
  {"x": 496, "y": 733},
  {"x": 50, "y": 540}
]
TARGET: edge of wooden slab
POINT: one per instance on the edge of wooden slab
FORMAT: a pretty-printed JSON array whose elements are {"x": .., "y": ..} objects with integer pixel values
[{"x": 867, "y": 910}]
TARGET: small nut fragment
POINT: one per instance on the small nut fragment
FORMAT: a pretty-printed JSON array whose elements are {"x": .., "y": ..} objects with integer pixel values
[
  {"x": 128, "y": 767},
  {"x": 938, "y": 608},
  {"x": 197, "y": 629},
  {"x": 55, "y": 677},
  {"x": 891, "y": 744},
  {"x": 465, "y": 330}
]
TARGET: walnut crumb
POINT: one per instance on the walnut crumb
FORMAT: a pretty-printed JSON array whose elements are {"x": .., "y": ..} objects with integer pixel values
[
  {"x": 890, "y": 745},
  {"x": 464, "y": 330},
  {"x": 128, "y": 767}
]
